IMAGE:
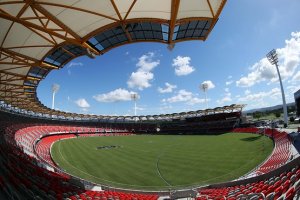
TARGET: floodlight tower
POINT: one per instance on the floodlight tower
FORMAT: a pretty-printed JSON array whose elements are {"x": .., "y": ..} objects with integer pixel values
[
  {"x": 55, "y": 88},
  {"x": 273, "y": 59},
  {"x": 134, "y": 97},
  {"x": 204, "y": 87}
]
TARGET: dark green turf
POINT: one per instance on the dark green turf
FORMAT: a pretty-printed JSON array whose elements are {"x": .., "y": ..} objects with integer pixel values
[{"x": 161, "y": 162}]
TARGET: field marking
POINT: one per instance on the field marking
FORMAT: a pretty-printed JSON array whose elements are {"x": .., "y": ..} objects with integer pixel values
[
  {"x": 101, "y": 179},
  {"x": 158, "y": 159},
  {"x": 59, "y": 147},
  {"x": 158, "y": 171},
  {"x": 139, "y": 186}
]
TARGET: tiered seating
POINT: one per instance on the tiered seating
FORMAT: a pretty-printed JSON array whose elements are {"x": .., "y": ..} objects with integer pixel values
[
  {"x": 30, "y": 181},
  {"x": 112, "y": 195},
  {"x": 246, "y": 130},
  {"x": 26, "y": 137},
  {"x": 281, "y": 152},
  {"x": 34, "y": 181},
  {"x": 282, "y": 187},
  {"x": 208, "y": 123},
  {"x": 21, "y": 176},
  {"x": 43, "y": 147}
]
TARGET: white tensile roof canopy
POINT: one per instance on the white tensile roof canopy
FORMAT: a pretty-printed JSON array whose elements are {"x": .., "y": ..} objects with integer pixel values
[{"x": 38, "y": 36}]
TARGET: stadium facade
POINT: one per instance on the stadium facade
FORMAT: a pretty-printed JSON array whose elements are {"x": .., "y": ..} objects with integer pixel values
[{"x": 297, "y": 102}]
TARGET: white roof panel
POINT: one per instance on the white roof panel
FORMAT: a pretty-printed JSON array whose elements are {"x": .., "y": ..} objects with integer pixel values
[
  {"x": 193, "y": 8},
  {"x": 35, "y": 52},
  {"x": 14, "y": 69},
  {"x": 104, "y": 7},
  {"x": 46, "y": 25},
  {"x": 80, "y": 20},
  {"x": 151, "y": 9},
  {"x": 215, "y": 4},
  {"x": 12, "y": 9},
  {"x": 4, "y": 24},
  {"x": 123, "y": 6},
  {"x": 91, "y": 27}
]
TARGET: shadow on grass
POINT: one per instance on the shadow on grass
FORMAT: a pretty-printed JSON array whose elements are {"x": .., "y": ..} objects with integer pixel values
[{"x": 251, "y": 139}]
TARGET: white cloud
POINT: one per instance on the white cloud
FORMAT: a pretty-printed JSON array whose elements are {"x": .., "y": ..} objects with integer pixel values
[
  {"x": 142, "y": 77},
  {"x": 168, "y": 89},
  {"x": 165, "y": 108},
  {"x": 114, "y": 96},
  {"x": 292, "y": 89},
  {"x": 182, "y": 66},
  {"x": 288, "y": 57},
  {"x": 146, "y": 63},
  {"x": 140, "y": 108},
  {"x": 75, "y": 64},
  {"x": 228, "y": 82},
  {"x": 196, "y": 100},
  {"x": 229, "y": 77},
  {"x": 247, "y": 92},
  {"x": 184, "y": 96},
  {"x": 210, "y": 84},
  {"x": 82, "y": 103},
  {"x": 140, "y": 80},
  {"x": 296, "y": 77},
  {"x": 274, "y": 93},
  {"x": 226, "y": 98}
]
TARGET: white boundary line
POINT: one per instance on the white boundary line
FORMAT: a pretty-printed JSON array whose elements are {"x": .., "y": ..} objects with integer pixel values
[
  {"x": 158, "y": 171},
  {"x": 101, "y": 179},
  {"x": 195, "y": 185}
]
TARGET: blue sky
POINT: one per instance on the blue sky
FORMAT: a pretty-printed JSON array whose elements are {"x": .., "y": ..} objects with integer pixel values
[{"x": 232, "y": 61}]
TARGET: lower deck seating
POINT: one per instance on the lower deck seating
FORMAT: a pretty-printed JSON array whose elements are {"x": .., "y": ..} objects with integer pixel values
[
  {"x": 284, "y": 186},
  {"x": 281, "y": 152},
  {"x": 33, "y": 181},
  {"x": 44, "y": 146}
]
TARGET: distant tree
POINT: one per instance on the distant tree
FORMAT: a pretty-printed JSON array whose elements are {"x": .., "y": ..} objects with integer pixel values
[
  {"x": 292, "y": 119},
  {"x": 291, "y": 108},
  {"x": 257, "y": 115},
  {"x": 277, "y": 114}
]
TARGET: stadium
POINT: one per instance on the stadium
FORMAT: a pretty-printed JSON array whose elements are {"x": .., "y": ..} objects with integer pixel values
[{"x": 46, "y": 153}]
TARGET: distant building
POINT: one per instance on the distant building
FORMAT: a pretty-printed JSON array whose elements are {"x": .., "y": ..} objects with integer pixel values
[{"x": 297, "y": 102}]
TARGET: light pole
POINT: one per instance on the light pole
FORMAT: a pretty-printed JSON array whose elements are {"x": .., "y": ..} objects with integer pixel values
[
  {"x": 55, "y": 88},
  {"x": 134, "y": 97},
  {"x": 273, "y": 59},
  {"x": 204, "y": 87}
]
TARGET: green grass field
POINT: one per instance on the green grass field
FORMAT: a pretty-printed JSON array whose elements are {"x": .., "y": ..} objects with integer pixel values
[{"x": 162, "y": 162}]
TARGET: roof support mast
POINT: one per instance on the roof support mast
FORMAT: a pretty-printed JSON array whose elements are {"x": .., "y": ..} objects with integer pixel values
[{"x": 174, "y": 12}]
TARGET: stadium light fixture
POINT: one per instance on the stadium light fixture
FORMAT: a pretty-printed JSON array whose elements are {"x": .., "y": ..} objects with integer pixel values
[
  {"x": 134, "y": 97},
  {"x": 204, "y": 87},
  {"x": 273, "y": 59},
  {"x": 55, "y": 88},
  {"x": 90, "y": 54}
]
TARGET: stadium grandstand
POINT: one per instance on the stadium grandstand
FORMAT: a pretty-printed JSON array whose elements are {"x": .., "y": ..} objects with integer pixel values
[{"x": 40, "y": 36}]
